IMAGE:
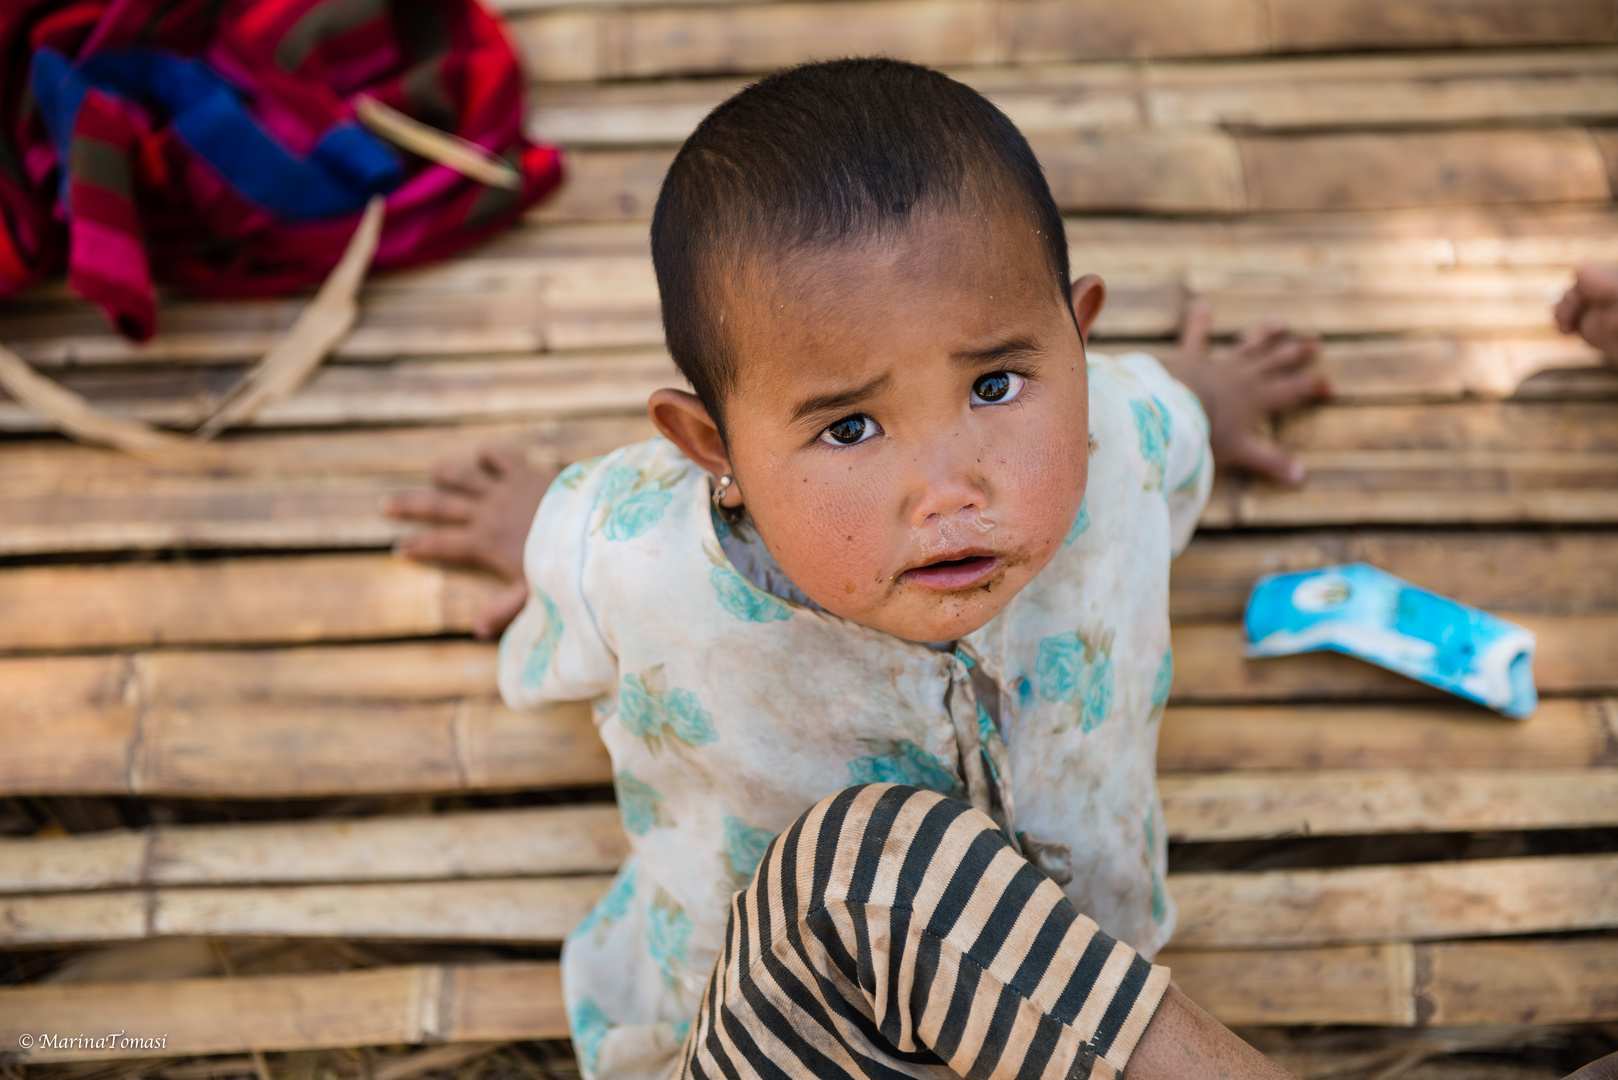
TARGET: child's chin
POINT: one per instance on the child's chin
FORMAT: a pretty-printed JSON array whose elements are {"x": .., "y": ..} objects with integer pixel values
[{"x": 947, "y": 621}]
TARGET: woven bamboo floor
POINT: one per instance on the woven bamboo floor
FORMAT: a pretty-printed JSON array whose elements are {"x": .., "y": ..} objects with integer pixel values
[{"x": 257, "y": 791}]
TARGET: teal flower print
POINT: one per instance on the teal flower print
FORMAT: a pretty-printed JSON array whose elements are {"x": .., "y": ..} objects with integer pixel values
[
  {"x": 687, "y": 720},
  {"x": 538, "y": 664},
  {"x": 681, "y": 1030},
  {"x": 572, "y": 476},
  {"x": 668, "y": 937},
  {"x": 631, "y": 502},
  {"x": 610, "y": 908},
  {"x": 1168, "y": 420},
  {"x": 636, "y": 709},
  {"x": 589, "y": 1026},
  {"x": 1095, "y": 691},
  {"x": 744, "y": 848},
  {"x": 903, "y": 762},
  {"x": 1160, "y": 895},
  {"x": 640, "y": 804},
  {"x": 652, "y": 713},
  {"x": 1081, "y": 524},
  {"x": 1153, "y": 434},
  {"x": 1161, "y": 685},
  {"x": 1073, "y": 669},
  {"x": 743, "y": 600},
  {"x": 1061, "y": 660}
]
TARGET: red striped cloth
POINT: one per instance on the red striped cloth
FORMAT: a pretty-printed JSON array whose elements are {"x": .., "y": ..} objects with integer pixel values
[{"x": 141, "y": 203}]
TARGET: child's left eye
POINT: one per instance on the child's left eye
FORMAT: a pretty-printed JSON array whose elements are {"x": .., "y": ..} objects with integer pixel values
[{"x": 997, "y": 388}]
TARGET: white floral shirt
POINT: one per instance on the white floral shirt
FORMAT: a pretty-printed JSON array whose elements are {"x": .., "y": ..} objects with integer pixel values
[{"x": 729, "y": 710}]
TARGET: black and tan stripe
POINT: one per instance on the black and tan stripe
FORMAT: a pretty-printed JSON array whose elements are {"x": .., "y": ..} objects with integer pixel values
[{"x": 893, "y": 932}]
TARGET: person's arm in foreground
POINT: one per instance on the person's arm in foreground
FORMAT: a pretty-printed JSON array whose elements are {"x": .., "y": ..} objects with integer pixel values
[{"x": 1184, "y": 1043}]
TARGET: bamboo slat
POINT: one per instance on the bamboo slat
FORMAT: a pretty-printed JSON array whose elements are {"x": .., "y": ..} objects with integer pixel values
[
  {"x": 1379, "y": 171},
  {"x": 234, "y": 602},
  {"x": 577, "y": 839},
  {"x": 598, "y": 41},
  {"x": 483, "y": 909},
  {"x": 1562, "y": 734},
  {"x": 423, "y": 391},
  {"x": 1244, "y": 806},
  {"x": 1512, "y": 571},
  {"x": 314, "y": 598},
  {"x": 1215, "y": 172},
  {"x": 1343, "y": 24},
  {"x": 1395, "y": 984},
  {"x": 1343, "y": 984},
  {"x": 1550, "y": 982},
  {"x": 1442, "y": 984},
  {"x": 285, "y": 723},
  {"x": 1268, "y": 909},
  {"x": 1342, "y": 905},
  {"x": 414, "y": 1004},
  {"x": 1574, "y": 655},
  {"x": 1422, "y": 90}
]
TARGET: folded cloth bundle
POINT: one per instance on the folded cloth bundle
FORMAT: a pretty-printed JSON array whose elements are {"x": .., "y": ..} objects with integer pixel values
[
  {"x": 213, "y": 144},
  {"x": 1365, "y": 612}
]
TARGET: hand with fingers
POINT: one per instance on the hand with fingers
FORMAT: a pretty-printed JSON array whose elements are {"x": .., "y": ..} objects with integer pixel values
[
  {"x": 476, "y": 517},
  {"x": 1590, "y": 309},
  {"x": 1267, "y": 371}
]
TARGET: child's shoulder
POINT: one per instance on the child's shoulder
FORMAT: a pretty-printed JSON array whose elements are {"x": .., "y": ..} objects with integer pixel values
[{"x": 619, "y": 496}]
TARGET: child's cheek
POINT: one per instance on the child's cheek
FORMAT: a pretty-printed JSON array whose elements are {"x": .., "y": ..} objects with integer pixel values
[{"x": 832, "y": 535}]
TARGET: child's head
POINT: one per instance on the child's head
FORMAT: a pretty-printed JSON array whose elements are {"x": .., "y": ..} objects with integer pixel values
[{"x": 864, "y": 277}]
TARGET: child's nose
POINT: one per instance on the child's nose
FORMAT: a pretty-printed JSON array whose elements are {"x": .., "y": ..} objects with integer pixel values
[{"x": 943, "y": 488}]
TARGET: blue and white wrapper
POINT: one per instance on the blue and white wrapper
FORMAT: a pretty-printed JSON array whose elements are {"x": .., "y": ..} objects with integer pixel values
[{"x": 1368, "y": 613}]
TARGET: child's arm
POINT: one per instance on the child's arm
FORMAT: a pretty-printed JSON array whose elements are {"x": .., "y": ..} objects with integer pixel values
[
  {"x": 1590, "y": 309},
  {"x": 1265, "y": 372},
  {"x": 476, "y": 517}
]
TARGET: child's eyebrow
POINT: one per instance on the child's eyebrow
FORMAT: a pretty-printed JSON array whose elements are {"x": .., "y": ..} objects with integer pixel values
[
  {"x": 1006, "y": 350},
  {"x": 842, "y": 399}
]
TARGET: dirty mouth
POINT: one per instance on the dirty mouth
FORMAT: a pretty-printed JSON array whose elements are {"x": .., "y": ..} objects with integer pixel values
[{"x": 954, "y": 573}]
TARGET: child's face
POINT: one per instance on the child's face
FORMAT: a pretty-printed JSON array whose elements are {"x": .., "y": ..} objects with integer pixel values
[{"x": 909, "y": 428}]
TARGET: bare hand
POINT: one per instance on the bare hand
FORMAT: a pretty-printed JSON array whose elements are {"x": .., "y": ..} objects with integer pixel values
[
  {"x": 1265, "y": 372},
  {"x": 1590, "y": 309},
  {"x": 476, "y": 517}
]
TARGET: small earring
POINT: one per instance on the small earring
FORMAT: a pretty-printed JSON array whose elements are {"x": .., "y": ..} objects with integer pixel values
[{"x": 730, "y": 514}]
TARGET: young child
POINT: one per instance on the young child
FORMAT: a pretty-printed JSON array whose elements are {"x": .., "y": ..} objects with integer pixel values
[{"x": 904, "y": 531}]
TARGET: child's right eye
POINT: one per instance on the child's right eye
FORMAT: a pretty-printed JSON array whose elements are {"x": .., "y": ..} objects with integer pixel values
[{"x": 850, "y": 430}]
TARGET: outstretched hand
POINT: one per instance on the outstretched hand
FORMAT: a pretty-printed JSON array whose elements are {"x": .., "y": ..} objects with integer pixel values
[
  {"x": 1590, "y": 309},
  {"x": 478, "y": 518},
  {"x": 1267, "y": 371}
]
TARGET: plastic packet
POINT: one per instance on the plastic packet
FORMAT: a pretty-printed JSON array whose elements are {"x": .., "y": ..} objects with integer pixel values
[{"x": 1368, "y": 613}]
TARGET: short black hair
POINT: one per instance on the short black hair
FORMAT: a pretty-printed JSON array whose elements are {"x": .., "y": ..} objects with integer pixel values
[{"x": 822, "y": 154}]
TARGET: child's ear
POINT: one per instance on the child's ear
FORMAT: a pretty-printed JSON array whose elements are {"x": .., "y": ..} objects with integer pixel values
[
  {"x": 684, "y": 421},
  {"x": 1089, "y": 295}
]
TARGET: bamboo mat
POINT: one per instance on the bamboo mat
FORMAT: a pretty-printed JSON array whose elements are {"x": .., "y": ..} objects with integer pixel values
[{"x": 256, "y": 788}]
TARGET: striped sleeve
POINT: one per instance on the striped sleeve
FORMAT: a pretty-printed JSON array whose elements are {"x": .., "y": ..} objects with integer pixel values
[{"x": 893, "y": 932}]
